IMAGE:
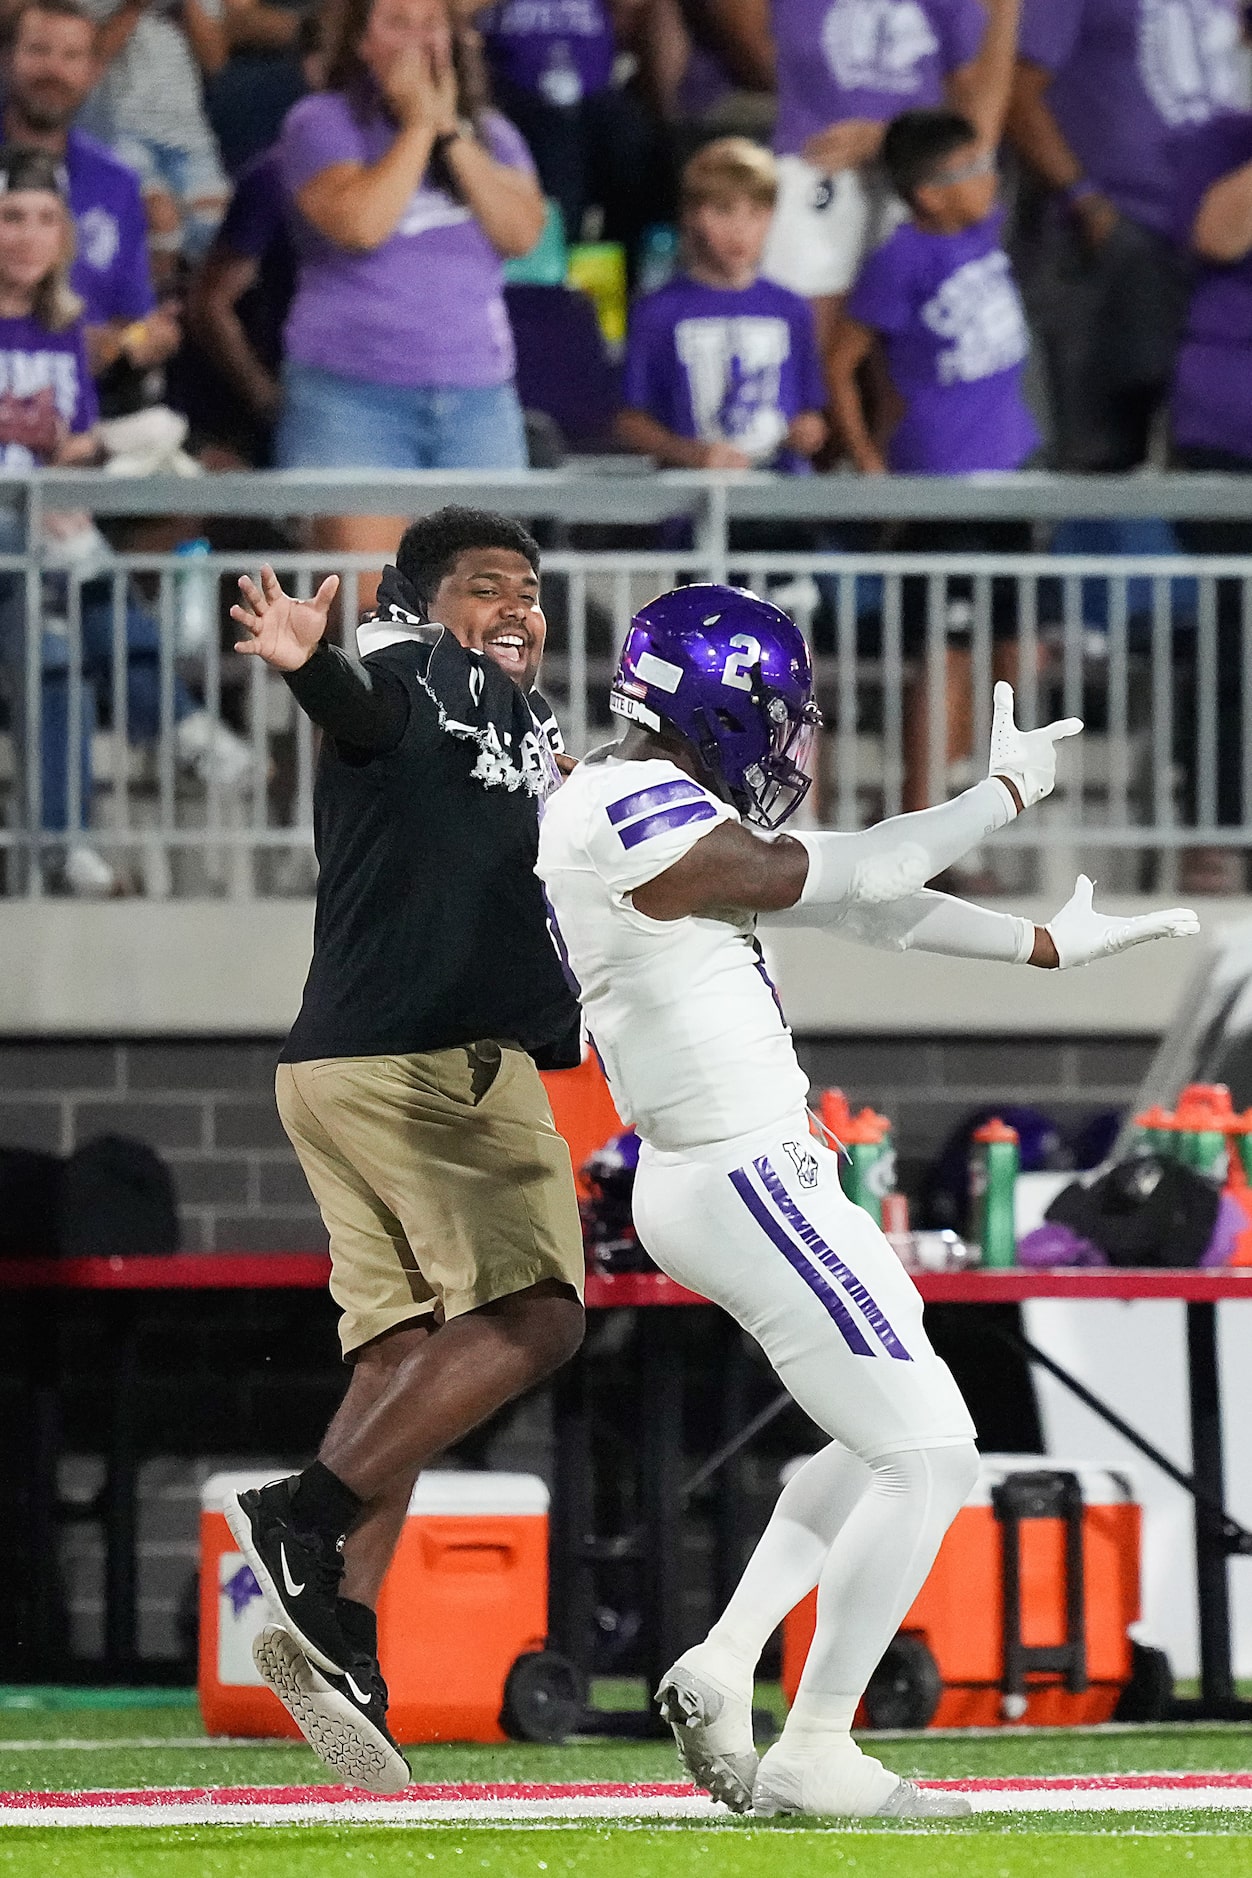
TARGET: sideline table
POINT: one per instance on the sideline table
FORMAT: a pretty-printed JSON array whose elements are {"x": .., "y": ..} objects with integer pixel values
[{"x": 1217, "y": 1535}]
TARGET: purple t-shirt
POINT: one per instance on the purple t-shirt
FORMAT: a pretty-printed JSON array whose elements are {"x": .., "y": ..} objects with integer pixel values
[
  {"x": 956, "y": 339},
  {"x": 1212, "y": 398},
  {"x": 1126, "y": 73},
  {"x": 110, "y": 269},
  {"x": 725, "y": 365},
  {"x": 865, "y": 58},
  {"x": 424, "y": 308},
  {"x": 43, "y": 376},
  {"x": 563, "y": 50}
]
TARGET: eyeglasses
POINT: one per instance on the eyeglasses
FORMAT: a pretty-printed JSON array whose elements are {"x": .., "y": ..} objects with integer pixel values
[{"x": 983, "y": 165}]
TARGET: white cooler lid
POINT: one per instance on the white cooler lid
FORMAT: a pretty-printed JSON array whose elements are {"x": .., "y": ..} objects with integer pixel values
[
  {"x": 1101, "y": 1486},
  {"x": 440, "y": 1492}
]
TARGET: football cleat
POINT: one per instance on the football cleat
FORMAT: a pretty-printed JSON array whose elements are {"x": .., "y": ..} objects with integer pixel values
[
  {"x": 842, "y": 1782},
  {"x": 342, "y": 1717},
  {"x": 712, "y": 1726},
  {"x": 299, "y": 1571}
]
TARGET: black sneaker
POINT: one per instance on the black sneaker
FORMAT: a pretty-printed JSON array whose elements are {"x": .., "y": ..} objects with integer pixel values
[
  {"x": 299, "y": 1571},
  {"x": 343, "y": 1718}
]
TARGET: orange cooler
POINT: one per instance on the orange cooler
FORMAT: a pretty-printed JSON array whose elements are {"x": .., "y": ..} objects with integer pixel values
[
  {"x": 466, "y": 1595},
  {"x": 1077, "y": 1575}
]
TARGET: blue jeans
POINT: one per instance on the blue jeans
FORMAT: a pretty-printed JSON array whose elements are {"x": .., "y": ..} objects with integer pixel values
[
  {"x": 143, "y": 678},
  {"x": 329, "y": 422}
]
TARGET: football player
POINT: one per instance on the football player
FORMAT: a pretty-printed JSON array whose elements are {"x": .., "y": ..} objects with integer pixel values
[{"x": 658, "y": 853}]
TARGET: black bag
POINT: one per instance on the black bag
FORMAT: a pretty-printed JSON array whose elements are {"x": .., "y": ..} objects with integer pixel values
[
  {"x": 1144, "y": 1211},
  {"x": 30, "y": 1187},
  {"x": 116, "y": 1200}
]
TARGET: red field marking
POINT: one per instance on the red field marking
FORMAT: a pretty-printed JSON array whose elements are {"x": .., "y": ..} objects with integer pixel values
[
  {"x": 471, "y": 1790},
  {"x": 486, "y": 1792}
]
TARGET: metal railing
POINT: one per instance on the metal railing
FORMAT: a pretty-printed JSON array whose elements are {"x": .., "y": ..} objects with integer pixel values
[{"x": 1148, "y": 649}]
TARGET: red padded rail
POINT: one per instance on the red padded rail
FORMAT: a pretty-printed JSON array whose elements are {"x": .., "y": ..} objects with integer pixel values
[{"x": 309, "y": 1271}]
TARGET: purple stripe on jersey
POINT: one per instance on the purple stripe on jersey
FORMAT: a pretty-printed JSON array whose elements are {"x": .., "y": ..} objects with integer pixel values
[
  {"x": 806, "y": 1231},
  {"x": 645, "y": 800},
  {"x": 849, "y": 1330},
  {"x": 701, "y": 811}
]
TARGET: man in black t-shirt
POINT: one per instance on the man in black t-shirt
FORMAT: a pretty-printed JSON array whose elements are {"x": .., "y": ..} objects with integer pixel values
[{"x": 410, "y": 1082}]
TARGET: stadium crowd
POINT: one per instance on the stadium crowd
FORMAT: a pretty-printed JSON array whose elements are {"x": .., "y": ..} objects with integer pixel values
[{"x": 872, "y": 236}]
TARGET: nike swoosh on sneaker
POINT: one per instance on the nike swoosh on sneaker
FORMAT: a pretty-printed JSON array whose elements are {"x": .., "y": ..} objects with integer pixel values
[
  {"x": 293, "y": 1589},
  {"x": 360, "y": 1694}
]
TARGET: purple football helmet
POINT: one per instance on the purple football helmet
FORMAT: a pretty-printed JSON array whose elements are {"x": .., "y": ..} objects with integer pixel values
[
  {"x": 731, "y": 674},
  {"x": 609, "y": 1236}
]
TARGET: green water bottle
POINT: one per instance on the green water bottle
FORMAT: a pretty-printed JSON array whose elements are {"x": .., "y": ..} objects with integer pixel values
[
  {"x": 1157, "y": 1132},
  {"x": 1202, "y": 1121},
  {"x": 994, "y": 1168},
  {"x": 871, "y": 1162}
]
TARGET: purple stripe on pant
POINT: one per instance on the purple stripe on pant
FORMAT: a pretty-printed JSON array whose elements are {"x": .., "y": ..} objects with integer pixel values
[
  {"x": 834, "y": 1304},
  {"x": 806, "y": 1231}
]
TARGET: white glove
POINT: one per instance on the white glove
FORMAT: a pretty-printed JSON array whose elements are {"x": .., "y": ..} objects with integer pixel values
[
  {"x": 1080, "y": 934},
  {"x": 1026, "y": 757}
]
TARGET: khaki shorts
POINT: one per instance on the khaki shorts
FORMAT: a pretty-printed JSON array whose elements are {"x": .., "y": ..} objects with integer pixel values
[{"x": 441, "y": 1178}]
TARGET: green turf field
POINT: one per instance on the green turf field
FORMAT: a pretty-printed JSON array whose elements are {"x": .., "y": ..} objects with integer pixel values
[{"x": 60, "y": 1747}]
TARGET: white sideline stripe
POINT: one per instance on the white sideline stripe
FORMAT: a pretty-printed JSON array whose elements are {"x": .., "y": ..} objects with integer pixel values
[
  {"x": 618, "y": 1807},
  {"x": 371, "y": 1812}
]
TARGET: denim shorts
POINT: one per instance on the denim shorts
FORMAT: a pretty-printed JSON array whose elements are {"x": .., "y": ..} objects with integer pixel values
[{"x": 329, "y": 422}]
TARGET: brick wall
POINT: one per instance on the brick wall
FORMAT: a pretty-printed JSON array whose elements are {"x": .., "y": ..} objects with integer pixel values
[{"x": 208, "y": 1107}]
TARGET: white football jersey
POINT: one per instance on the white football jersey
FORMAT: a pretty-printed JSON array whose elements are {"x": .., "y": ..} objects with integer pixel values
[{"x": 682, "y": 1012}]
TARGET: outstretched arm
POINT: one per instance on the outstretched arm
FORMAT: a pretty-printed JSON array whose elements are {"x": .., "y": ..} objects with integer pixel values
[
  {"x": 365, "y": 710},
  {"x": 820, "y": 875},
  {"x": 1077, "y": 935}
]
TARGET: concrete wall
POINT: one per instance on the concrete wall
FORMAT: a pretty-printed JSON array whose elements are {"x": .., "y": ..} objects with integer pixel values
[{"x": 220, "y": 968}]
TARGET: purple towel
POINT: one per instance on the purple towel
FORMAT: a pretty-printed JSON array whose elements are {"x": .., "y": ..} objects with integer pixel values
[
  {"x": 1050, "y": 1245},
  {"x": 1229, "y": 1223}
]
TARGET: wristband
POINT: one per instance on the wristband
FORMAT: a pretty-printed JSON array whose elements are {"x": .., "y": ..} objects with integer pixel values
[{"x": 1078, "y": 192}]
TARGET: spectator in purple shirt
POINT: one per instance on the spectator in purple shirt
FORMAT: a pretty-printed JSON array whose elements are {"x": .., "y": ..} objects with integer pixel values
[
  {"x": 721, "y": 366},
  {"x": 1102, "y": 88},
  {"x": 939, "y": 305},
  {"x": 594, "y": 143},
  {"x": 845, "y": 69},
  {"x": 1211, "y": 419},
  {"x": 48, "y": 71},
  {"x": 48, "y": 414},
  {"x": 408, "y": 192}
]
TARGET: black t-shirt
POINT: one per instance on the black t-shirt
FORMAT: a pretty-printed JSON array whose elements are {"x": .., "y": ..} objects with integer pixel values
[{"x": 431, "y": 927}]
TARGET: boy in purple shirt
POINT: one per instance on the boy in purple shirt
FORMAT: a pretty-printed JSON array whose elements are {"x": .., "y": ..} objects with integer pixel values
[
  {"x": 939, "y": 304},
  {"x": 722, "y": 369},
  {"x": 1103, "y": 88},
  {"x": 939, "y": 301}
]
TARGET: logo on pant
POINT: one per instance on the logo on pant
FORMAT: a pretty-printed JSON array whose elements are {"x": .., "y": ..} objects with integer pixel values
[{"x": 804, "y": 1162}]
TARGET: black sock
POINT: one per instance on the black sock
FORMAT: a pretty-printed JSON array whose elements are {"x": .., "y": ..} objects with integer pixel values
[
  {"x": 359, "y": 1625},
  {"x": 321, "y": 1503}
]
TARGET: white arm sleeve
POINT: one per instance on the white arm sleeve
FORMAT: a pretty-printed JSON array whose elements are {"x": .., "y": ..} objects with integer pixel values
[
  {"x": 894, "y": 858},
  {"x": 935, "y": 922}
]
